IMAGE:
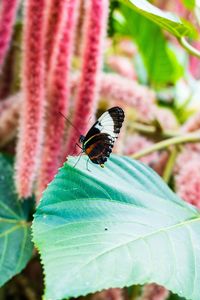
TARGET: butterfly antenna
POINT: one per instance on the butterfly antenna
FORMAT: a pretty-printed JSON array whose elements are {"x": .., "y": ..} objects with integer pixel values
[{"x": 69, "y": 122}]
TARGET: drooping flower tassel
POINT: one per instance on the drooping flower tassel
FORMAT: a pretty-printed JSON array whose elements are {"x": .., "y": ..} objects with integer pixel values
[
  {"x": 31, "y": 127},
  {"x": 55, "y": 18},
  {"x": 87, "y": 94},
  {"x": 114, "y": 87},
  {"x": 192, "y": 124},
  {"x": 8, "y": 11},
  {"x": 111, "y": 294},
  {"x": 9, "y": 117},
  {"x": 58, "y": 98},
  {"x": 154, "y": 292},
  {"x": 186, "y": 174},
  {"x": 194, "y": 64}
]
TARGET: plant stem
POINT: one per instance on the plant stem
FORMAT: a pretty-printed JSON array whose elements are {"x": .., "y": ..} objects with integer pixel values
[
  {"x": 185, "y": 138},
  {"x": 170, "y": 165},
  {"x": 152, "y": 130},
  {"x": 182, "y": 40}
]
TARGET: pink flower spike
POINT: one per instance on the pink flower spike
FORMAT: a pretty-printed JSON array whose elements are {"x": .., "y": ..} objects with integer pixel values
[
  {"x": 187, "y": 181},
  {"x": 123, "y": 91},
  {"x": 142, "y": 99},
  {"x": 187, "y": 177},
  {"x": 87, "y": 94},
  {"x": 122, "y": 65},
  {"x": 110, "y": 294},
  {"x": 55, "y": 18},
  {"x": 8, "y": 11},
  {"x": 9, "y": 116},
  {"x": 31, "y": 127},
  {"x": 192, "y": 124},
  {"x": 194, "y": 64},
  {"x": 154, "y": 292},
  {"x": 58, "y": 98}
]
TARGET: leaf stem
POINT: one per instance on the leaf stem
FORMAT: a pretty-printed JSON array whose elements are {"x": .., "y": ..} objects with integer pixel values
[
  {"x": 185, "y": 138},
  {"x": 182, "y": 40},
  {"x": 170, "y": 165}
]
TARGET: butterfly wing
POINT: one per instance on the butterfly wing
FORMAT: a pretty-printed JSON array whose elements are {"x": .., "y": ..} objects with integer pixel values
[
  {"x": 99, "y": 147},
  {"x": 100, "y": 139},
  {"x": 110, "y": 123}
]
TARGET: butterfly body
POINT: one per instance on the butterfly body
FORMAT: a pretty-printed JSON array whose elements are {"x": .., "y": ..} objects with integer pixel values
[{"x": 99, "y": 140}]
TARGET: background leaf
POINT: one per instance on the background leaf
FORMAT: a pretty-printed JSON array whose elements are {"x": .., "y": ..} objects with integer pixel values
[
  {"x": 161, "y": 64},
  {"x": 15, "y": 235},
  {"x": 165, "y": 20},
  {"x": 115, "y": 227},
  {"x": 190, "y": 4}
]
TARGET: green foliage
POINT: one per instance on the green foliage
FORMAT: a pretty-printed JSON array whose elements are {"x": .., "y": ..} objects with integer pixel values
[
  {"x": 15, "y": 235},
  {"x": 175, "y": 297},
  {"x": 115, "y": 227},
  {"x": 190, "y": 4},
  {"x": 162, "y": 66},
  {"x": 165, "y": 20}
]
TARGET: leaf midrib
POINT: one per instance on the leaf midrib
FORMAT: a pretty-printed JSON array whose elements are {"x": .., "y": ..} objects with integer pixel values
[
  {"x": 8, "y": 220},
  {"x": 12, "y": 229}
]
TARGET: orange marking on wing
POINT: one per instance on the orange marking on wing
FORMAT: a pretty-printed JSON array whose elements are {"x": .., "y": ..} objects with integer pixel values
[{"x": 89, "y": 149}]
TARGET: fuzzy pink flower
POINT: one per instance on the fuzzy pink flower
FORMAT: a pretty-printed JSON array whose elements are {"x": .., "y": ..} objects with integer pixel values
[
  {"x": 31, "y": 127},
  {"x": 115, "y": 87},
  {"x": 127, "y": 48},
  {"x": 137, "y": 143},
  {"x": 9, "y": 115},
  {"x": 166, "y": 118},
  {"x": 173, "y": 6},
  {"x": 110, "y": 294},
  {"x": 187, "y": 176},
  {"x": 187, "y": 182},
  {"x": 192, "y": 124},
  {"x": 154, "y": 292},
  {"x": 180, "y": 8},
  {"x": 189, "y": 151},
  {"x": 8, "y": 11},
  {"x": 87, "y": 94},
  {"x": 81, "y": 11},
  {"x": 54, "y": 21},
  {"x": 58, "y": 97},
  {"x": 194, "y": 63},
  {"x": 121, "y": 65}
]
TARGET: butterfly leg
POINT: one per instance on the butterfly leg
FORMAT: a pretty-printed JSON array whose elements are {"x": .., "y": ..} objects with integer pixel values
[
  {"x": 87, "y": 163},
  {"x": 79, "y": 157}
]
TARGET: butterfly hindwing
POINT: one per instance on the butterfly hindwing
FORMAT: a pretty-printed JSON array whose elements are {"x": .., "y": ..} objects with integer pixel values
[{"x": 99, "y": 147}]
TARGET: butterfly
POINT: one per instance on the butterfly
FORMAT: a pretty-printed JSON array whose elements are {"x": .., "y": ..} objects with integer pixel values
[{"x": 100, "y": 138}]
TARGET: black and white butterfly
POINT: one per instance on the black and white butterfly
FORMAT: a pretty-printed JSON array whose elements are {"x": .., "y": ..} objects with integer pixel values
[{"x": 100, "y": 139}]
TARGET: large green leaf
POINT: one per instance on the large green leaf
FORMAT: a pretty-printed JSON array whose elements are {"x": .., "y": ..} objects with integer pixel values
[
  {"x": 115, "y": 227},
  {"x": 166, "y": 20},
  {"x": 15, "y": 235},
  {"x": 162, "y": 66}
]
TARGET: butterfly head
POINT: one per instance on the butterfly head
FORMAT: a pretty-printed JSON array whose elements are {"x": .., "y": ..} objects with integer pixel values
[{"x": 81, "y": 139}]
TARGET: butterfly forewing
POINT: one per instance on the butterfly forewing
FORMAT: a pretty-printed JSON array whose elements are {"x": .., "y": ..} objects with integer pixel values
[{"x": 99, "y": 140}]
